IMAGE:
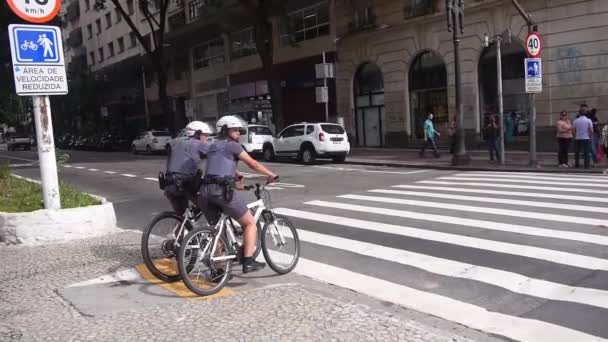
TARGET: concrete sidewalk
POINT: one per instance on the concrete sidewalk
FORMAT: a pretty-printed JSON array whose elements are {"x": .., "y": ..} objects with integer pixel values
[
  {"x": 55, "y": 293},
  {"x": 517, "y": 161}
]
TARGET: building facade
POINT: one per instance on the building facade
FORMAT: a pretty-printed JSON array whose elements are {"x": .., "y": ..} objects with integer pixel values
[{"x": 396, "y": 64}]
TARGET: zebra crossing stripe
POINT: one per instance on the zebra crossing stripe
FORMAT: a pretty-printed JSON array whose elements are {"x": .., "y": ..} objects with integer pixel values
[
  {"x": 515, "y": 186},
  {"x": 507, "y": 280},
  {"x": 573, "y": 178},
  {"x": 483, "y": 210},
  {"x": 516, "y": 328},
  {"x": 580, "y": 183},
  {"x": 574, "y": 207},
  {"x": 506, "y": 193},
  {"x": 540, "y": 174},
  {"x": 564, "y": 258}
]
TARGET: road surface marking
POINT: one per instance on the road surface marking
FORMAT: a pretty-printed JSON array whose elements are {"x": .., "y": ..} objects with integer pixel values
[
  {"x": 483, "y": 210},
  {"x": 110, "y": 172},
  {"x": 94, "y": 170},
  {"x": 507, "y": 280},
  {"x": 580, "y": 183},
  {"x": 79, "y": 167},
  {"x": 68, "y": 166},
  {"x": 128, "y": 175},
  {"x": 17, "y": 158},
  {"x": 565, "y": 174},
  {"x": 550, "y": 205},
  {"x": 559, "y": 257},
  {"x": 369, "y": 171},
  {"x": 151, "y": 179},
  {"x": 507, "y": 193},
  {"x": 515, "y": 186},
  {"x": 476, "y": 317},
  {"x": 597, "y": 179},
  {"x": 505, "y": 227}
]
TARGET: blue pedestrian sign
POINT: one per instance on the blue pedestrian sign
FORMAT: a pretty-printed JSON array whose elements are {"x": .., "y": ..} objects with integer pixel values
[
  {"x": 38, "y": 64},
  {"x": 36, "y": 44},
  {"x": 534, "y": 75}
]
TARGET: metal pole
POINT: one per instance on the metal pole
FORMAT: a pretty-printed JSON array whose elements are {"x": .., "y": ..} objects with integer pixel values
[
  {"x": 532, "y": 122},
  {"x": 146, "y": 111},
  {"x": 46, "y": 152},
  {"x": 500, "y": 105},
  {"x": 460, "y": 156},
  {"x": 325, "y": 70}
]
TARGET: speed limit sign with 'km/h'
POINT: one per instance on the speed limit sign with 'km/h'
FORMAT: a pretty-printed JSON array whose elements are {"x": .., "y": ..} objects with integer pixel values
[
  {"x": 35, "y": 11},
  {"x": 534, "y": 44}
]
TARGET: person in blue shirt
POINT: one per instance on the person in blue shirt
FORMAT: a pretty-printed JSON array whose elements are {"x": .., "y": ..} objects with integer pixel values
[{"x": 429, "y": 136}]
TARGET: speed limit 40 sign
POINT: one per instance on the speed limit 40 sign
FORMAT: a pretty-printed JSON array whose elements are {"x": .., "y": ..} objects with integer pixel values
[
  {"x": 35, "y": 11},
  {"x": 534, "y": 44}
]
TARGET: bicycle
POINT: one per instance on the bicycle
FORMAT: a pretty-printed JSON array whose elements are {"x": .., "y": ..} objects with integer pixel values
[
  {"x": 29, "y": 45},
  {"x": 162, "y": 237},
  {"x": 217, "y": 247}
]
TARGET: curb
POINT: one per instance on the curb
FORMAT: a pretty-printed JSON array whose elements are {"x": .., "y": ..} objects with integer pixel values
[
  {"x": 50, "y": 226},
  {"x": 496, "y": 168}
]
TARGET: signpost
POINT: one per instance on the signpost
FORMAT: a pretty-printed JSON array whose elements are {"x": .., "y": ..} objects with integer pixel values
[
  {"x": 39, "y": 71},
  {"x": 534, "y": 75},
  {"x": 534, "y": 45}
]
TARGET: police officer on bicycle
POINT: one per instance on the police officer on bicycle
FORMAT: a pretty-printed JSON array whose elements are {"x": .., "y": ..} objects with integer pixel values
[
  {"x": 217, "y": 192},
  {"x": 183, "y": 166}
]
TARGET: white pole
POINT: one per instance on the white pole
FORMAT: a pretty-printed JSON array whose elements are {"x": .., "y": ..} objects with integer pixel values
[
  {"x": 46, "y": 152},
  {"x": 325, "y": 70},
  {"x": 500, "y": 105}
]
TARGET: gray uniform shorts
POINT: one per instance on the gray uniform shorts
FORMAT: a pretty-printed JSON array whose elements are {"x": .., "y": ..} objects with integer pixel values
[{"x": 212, "y": 202}]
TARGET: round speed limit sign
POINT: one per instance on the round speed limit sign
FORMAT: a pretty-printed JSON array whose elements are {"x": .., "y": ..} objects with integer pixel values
[
  {"x": 534, "y": 44},
  {"x": 35, "y": 11}
]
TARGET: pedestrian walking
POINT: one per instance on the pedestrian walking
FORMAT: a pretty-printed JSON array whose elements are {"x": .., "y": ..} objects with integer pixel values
[
  {"x": 564, "y": 138},
  {"x": 429, "y": 136},
  {"x": 583, "y": 131},
  {"x": 491, "y": 134}
]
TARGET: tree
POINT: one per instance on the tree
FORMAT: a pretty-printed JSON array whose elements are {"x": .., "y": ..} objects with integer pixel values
[
  {"x": 155, "y": 51},
  {"x": 263, "y": 11}
]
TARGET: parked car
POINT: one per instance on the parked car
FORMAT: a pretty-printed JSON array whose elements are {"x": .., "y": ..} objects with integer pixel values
[
  {"x": 309, "y": 141},
  {"x": 151, "y": 141},
  {"x": 255, "y": 137},
  {"x": 16, "y": 141}
]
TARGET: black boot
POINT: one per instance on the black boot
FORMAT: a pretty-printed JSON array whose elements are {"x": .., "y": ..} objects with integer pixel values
[{"x": 250, "y": 265}]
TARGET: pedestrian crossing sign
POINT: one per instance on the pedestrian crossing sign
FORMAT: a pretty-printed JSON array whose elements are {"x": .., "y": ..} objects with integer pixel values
[{"x": 36, "y": 44}]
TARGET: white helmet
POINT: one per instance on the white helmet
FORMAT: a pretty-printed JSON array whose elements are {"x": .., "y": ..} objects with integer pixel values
[
  {"x": 196, "y": 126},
  {"x": 229, "y": 121}
]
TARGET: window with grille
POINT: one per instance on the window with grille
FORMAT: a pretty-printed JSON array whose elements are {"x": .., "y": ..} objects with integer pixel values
[
  {"x": 307, "y": 23},
  {"x": 209, "y": 53}
]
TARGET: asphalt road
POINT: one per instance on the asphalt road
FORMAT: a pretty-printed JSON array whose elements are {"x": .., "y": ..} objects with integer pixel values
[{"x": 517, "y": 255}]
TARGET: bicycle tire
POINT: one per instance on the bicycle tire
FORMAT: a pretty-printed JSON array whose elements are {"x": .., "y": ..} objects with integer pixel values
[
  {"x": 296, "y": 240},
  {"x": 191, "y": 284},
  {"x": 145, "y": 247}
]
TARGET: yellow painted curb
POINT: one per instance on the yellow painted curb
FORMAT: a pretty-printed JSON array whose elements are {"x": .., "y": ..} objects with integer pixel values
[{"x": 178, "y": 287}]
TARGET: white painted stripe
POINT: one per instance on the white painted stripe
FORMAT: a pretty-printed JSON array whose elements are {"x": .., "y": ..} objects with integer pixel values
[
  {"x": 507, "y": 193},
  {"x": 516, "y": 328},
  {"x": 593, "y": 209},
  {"x": 128, "y": 175},
  {"x": 21, "y": 165},
  {"x": 67, "y": 166},
  {"x": 483, "y": 210},
  {"x": 559, "y": 257},
  {"x": 128, "y": 275},
  {"x": 94, "y": 170},
  {"x": 336, "y": 168},
  {"x": 110, "y": 172},
  {"x": 17, "y": 158},
  {"x": 491, "y": 225},
  {"x": 580, "y": 183},
  {"x": 151, "y": 179},
  {"x": 80, "y": 167},
  {"x": 273, "y": 188},
  {"x": 574, "y": 178},
  {"x": 515, "y": 186},
  {"x": 507, "y": 280},
  {"x": 544, "y": 174}
]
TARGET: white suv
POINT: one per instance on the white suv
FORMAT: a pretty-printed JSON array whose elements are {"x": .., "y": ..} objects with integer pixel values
[{"x": 308, "y": 141}]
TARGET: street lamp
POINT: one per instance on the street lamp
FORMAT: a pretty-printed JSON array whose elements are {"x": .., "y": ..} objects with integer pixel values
[
  {"x": 506, "y": 36},
  {"x": 455, "y": 11}
]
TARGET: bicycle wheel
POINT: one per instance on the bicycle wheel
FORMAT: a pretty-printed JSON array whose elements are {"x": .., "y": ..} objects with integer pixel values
[
  {"x": 206, "y": 277},
  {"x": 159, "y": 245},
  {"x": 280, "y": 245},
  {"x": 238, "y": 231}
]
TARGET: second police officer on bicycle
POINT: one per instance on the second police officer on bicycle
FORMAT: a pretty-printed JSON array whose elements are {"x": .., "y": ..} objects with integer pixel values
[{"x": 217, "y": 192}]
